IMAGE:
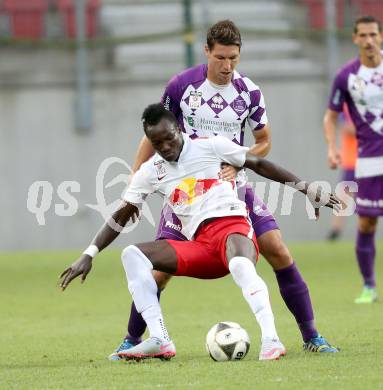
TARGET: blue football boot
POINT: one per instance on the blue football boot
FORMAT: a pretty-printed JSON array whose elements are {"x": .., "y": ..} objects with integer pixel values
[
  {"x": 126, "y": 344},
  {"x": 319, "y": 344}
]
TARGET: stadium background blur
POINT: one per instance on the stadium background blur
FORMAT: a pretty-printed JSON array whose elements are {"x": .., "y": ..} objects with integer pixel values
[{"x": 68, "y": 102}]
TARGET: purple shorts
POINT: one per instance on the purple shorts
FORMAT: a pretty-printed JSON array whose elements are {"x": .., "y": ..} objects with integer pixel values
[
  {"x": 369, "y": 199},
  {"x": 262, "y": 220}
]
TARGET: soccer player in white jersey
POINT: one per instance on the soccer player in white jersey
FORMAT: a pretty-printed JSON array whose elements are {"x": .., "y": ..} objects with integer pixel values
[
  {"x": 187, "y": 174},
  {"x": 359, "y": 84},
  {"x": 212, "y": 99}
]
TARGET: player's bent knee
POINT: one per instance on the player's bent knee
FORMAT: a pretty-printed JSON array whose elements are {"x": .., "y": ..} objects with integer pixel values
[
  {"x": 129, "y": 253},
  {"x": 240, "y": 245},
  {"x": 367, "y": 224},
  {"x": 282, "y": 252},
  {"x": 275, "y": 250},
  {"x": 132, "y": 259},
  {"x": 279, "y": 259},
  {"x": 242, "y": 268},
  {"x": 126, "y": 252}
]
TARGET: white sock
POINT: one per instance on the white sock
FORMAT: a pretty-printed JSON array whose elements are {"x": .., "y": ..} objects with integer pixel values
[
  {"x": 255, "y": 292},
  {"x": 143, "y": 288}
]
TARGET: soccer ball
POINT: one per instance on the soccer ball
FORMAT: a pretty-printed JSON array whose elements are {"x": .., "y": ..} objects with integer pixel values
[{"x": 227, "y": 341}]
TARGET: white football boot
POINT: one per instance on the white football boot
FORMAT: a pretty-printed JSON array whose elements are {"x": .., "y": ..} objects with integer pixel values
[
  {"x": 271, "y": 349},
  {"x": 152, "y": 347}
]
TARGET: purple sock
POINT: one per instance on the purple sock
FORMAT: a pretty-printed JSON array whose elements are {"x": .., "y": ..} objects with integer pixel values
[
  {"x": 137, "y": 325},
  {"x": 365, "y": 253},
  {"x": 296, "y": 295}
]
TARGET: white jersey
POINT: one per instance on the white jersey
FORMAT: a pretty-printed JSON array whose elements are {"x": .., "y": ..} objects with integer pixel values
[{"x": 191, "y": 186}]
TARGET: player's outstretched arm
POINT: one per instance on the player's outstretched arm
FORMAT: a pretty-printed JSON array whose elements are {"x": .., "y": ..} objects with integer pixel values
[
  {"x": 106, "y": 235},
  {"x": 269, "y": 170}
]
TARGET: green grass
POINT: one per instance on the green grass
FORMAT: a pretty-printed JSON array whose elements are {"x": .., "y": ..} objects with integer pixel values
[{"x": 55, "y": 340}]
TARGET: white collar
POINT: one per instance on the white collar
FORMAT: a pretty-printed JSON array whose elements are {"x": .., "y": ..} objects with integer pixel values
[{"x": 218, "y": 86}]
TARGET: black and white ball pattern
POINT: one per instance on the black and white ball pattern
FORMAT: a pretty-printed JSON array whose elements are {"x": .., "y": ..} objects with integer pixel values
[{"x": 227, "y": 341}]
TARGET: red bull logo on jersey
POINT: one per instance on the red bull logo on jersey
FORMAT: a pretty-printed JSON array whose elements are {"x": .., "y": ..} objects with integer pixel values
[{"x": 190, "y": 189}]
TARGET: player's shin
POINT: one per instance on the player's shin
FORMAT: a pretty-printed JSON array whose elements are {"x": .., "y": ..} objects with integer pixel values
[
  {"x": 143, "y": 288},
  {"x": 255, "y": 292},
  {"x": 296, "y": 296},
  {"x": 365, "y": 253},
  {"x": 137, "y": 325}
]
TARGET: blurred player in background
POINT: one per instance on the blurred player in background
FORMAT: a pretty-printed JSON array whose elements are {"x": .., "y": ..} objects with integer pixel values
[
  {"x": 359, "y": 84},
  {"x": 348, "y": 153},
  {"x": 212, "y": 99}
]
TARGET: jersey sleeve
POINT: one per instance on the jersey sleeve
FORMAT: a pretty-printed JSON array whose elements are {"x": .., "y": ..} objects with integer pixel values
[
  {"x": 172, "y": 97},
  {"x": 229, "y": 151},
  {"x": 140, "y": 186},
  {"x": 257, "y": 118},
  {"x": 338, "y": 93}
]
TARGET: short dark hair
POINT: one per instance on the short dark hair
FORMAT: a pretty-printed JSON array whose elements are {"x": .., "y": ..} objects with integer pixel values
[
  {"x": 366, "y": 19},
  {"x": 153, "y": 114},
  {"x": 224, "y": 32}
]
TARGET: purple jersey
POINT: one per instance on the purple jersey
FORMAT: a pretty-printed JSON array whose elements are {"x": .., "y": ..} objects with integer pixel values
[
  {"x": 361, "y": 88},
  {"x": 204, "y": 109}
]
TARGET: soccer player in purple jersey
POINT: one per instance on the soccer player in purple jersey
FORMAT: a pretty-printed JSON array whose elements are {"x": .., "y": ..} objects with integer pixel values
[
  {"x": 212, "y": 99},
  {"x": 359, "y": 84}
]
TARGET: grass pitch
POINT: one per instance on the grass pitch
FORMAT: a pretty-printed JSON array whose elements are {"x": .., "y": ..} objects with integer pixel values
[{"x": 55, "y": 340}]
